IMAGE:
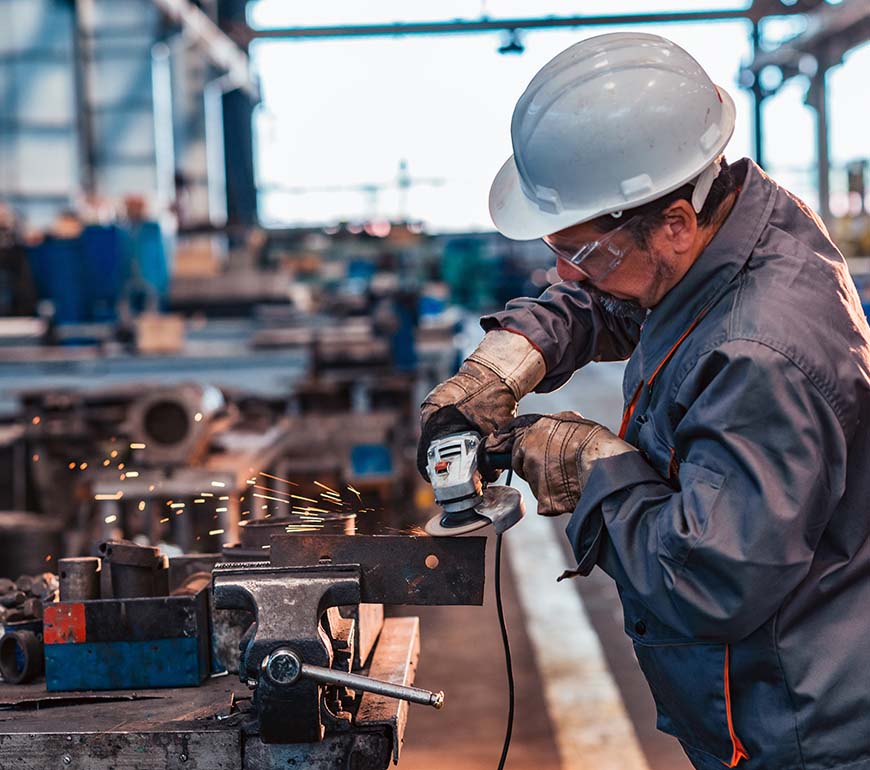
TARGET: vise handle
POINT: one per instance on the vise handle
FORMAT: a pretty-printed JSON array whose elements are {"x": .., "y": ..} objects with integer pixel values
[{"x": 283, "y": 668}]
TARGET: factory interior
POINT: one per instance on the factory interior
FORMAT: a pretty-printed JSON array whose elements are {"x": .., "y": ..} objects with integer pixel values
[{"x": 240, "y": 241}]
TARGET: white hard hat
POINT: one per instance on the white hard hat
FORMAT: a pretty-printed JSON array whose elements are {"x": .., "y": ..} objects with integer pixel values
[{"x": 610, "y": 123}]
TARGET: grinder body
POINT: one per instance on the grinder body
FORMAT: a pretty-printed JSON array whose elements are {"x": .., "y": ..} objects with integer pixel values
[{"x": 468, "y": 503}]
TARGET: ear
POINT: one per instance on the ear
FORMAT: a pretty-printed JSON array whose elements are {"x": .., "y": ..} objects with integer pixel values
[{"x": 680, "y": 225}]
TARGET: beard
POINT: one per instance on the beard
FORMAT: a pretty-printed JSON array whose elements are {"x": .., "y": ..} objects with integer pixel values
[{"x": 621, "y": 308}]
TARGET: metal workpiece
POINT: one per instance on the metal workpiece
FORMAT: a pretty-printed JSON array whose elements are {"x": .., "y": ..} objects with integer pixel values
[
  {"x": 283, "y": 667},
  {"x": 396, "y": 569},
  {"x": 79, "y": 578},
  {"x": 136, "y": 571},
  {"x": 174, "y": 423}
]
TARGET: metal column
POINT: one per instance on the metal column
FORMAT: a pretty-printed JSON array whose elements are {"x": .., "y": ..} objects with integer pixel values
[
  {"x": 817, "y": 98},
  {"x": 757, "y": 102}
]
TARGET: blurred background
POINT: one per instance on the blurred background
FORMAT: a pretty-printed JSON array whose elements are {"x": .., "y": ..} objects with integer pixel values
[{"x": 240, "y": 240}]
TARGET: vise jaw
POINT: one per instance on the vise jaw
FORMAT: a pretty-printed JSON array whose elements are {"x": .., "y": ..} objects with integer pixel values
[{"x": 288, "y": 604}]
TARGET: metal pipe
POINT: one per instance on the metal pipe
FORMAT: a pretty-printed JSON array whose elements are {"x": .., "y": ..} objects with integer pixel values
[{"x": 79, "y": 578}]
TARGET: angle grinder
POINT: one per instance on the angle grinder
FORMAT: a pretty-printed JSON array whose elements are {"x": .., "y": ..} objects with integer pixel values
[{"x": 468, "y": 503}]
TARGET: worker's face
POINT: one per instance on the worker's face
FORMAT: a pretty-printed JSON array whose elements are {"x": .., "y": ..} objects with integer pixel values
[{"x": 640, "y": 276}]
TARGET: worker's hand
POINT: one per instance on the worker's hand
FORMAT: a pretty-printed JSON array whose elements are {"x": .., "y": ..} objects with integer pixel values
[
  {"x": 483, "y": 395},
  {"x": 555, "y": 453}
]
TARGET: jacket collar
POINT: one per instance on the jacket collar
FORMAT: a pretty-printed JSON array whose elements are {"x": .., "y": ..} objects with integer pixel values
[{"x": 716, "y": 267}]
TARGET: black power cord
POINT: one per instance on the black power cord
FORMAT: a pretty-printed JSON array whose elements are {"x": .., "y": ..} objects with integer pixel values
[{"x": 507, "y": 647}]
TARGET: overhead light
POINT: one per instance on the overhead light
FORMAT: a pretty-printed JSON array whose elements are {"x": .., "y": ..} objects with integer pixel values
[
  {"x": 770, "y": 78},
  {"x": 512, "y": 44}
]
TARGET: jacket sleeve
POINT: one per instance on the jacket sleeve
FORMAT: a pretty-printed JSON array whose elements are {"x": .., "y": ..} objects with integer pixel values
[
  {"x": 570, "y": 328},
  {"x": 762, "y": 460}
]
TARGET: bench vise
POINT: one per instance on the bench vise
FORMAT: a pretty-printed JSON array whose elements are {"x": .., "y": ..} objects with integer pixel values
[{"x": 318, "y": 615}]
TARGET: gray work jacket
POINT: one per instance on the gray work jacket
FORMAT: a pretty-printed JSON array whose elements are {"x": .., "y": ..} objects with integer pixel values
[{"x": 739, "y": 534}]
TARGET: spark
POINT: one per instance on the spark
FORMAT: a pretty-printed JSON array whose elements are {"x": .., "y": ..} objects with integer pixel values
[
  {"x": 48, "y": 557},
  {"x": 243, "y": 524},
  {"x": 245, "y": 513},
  {"x": 269, "y": 489},
  {"x": 116, "y": 496},
  {"x": 106, "y": 462},
  {"x": 151, "y": 488},
  {"x": 113, "y": 453},
  {"x": 121, "y": 466},
  {"x": 137, "y": 446},
  {"x": 215, "y": 531},
  {"x": 177, "y": 505},
  {"x": 316, "y": 510},
  {"x": 163, "y": 521},
  {"x": 355, "y": 491},
  {"x": 221, "y": 510},
  {"x": 110, "y": 519},
  {"x": 218, "y": 484},
  {"x": 197, "y": 417},
  {"x": 179, "y": 512},
  {"x": 278, "y": 478},
  {"x": 267, "y": 497},
  {"x": 199, "y": 500},
  {"x": 36, "y": 420},
  {"x": 265, "y": 546},
  {"x": 71, "y": 466},
  {"x": 36, "y": 458},
  {"x": 250, "y": 481},
  {"x": 141, "y": 505},
  {"x": 224, "y": 497},
  {"x": 123, "y": 477},
  {"x": 268, "y": 516},
  {"x": 328, "y": 489},
  {"x": 132, "y": 474},
  {"x": 306, "y": 499},
  {"x": 206, "y": 494}
]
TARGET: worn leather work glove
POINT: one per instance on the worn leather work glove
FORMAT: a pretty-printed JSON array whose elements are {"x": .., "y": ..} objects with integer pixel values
[
  {"x": 555, "y": 453},
  {"x": 483, "y": 395}
]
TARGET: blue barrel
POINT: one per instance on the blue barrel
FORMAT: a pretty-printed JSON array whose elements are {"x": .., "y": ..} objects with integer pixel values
[
  {"x": 56, "y": 265},
  {"x": 102, "y": 269}
]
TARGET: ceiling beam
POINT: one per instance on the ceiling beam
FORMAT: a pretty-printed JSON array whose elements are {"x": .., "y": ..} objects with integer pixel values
[
  {"x": 492, "y": 25},
  {"x": 222, "y": 51}
]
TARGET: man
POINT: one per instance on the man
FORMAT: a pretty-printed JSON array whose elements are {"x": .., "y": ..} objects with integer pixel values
[{"x": 732, "y": 509}]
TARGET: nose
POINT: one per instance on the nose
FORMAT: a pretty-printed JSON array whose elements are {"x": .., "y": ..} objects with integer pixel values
[{"x": 567, "y": 271}]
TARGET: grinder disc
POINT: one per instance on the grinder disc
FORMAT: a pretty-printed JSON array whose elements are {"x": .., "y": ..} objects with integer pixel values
[
  {"x": 452, "y": 524},
  {"x": 501, "y": 506}
]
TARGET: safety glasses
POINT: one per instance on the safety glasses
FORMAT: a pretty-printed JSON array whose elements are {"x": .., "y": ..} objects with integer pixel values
[{"x": 595, "y": 259}]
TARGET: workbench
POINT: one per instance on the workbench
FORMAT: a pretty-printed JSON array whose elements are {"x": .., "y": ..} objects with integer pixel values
[{"x": 198, "y": 728}]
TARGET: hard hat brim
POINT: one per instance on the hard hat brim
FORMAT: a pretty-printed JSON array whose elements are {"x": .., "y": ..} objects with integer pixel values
[
  {"x": 515, "y": 216},
  {"x": 520, "y": 219}
]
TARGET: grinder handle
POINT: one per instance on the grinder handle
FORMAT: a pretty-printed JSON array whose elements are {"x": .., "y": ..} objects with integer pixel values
[
  {"x": 499, "y": 460},
  {"x": 491, "y": 465}
]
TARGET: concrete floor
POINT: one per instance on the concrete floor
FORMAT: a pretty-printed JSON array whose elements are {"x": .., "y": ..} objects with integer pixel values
[{"x": 581, "y": 702}]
